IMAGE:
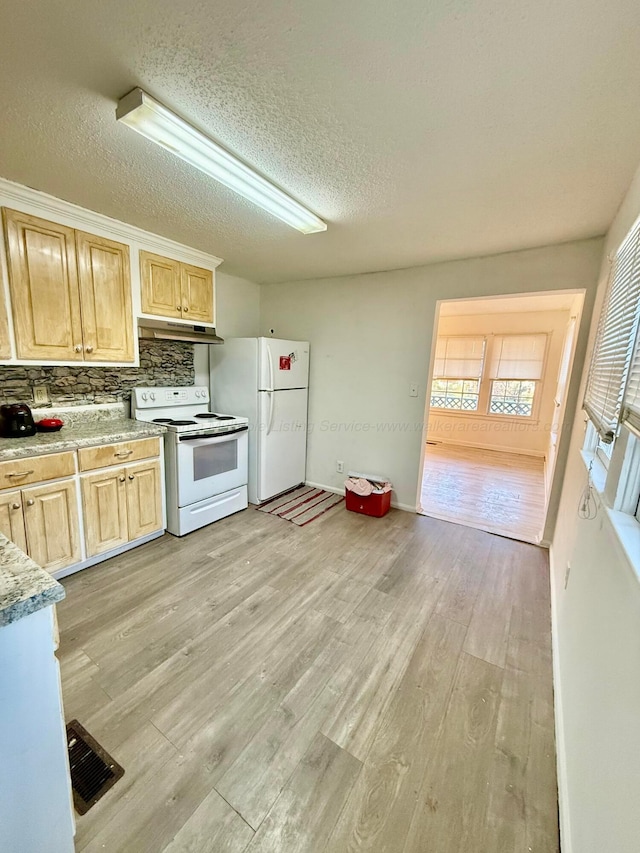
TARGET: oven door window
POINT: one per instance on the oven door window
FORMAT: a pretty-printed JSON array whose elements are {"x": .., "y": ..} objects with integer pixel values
[
  {"x": 210, "y": 460},
  {"x": 210, "y": 465}
]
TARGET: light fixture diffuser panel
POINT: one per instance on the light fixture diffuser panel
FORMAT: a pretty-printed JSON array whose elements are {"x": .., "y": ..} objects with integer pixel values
[{"x": 153, "y": 120}]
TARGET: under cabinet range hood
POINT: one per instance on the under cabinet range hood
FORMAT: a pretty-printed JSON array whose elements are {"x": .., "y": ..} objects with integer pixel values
[{"x": 165, "y": 330}]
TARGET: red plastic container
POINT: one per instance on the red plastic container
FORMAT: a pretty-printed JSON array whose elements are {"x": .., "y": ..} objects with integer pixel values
[{"x": 375, "y": 505}]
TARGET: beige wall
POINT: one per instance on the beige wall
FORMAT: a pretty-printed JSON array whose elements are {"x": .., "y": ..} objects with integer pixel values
[
  {"x": 596, "y": 627},
  {"x": 371, "y": 337},
  {"x": 520, "y": 435},
  {"x": 237, "y": 316}
]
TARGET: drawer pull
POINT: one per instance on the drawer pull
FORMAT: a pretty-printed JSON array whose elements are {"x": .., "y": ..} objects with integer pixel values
[
  {"x": 123, "y": 453},
  {"x": 89, "y": 349},
  {"x": 30, "y": 502},
  {"x": 131, "y": 477},
  {"x": 15, "y": 506},
  {"x": 122, "y": 479},
  {"x": 21, "y": 473},
  {"x": 178, "y": 307},
  {"x": 185, "y": 308},
  {"x": 78, "y": 347}
]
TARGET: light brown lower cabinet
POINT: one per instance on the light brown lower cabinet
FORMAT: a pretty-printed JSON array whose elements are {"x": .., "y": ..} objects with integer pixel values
[
  {"x": 120, "y": 505},
  {"x": 51, "y": 524},
  {"x": 12, "y": 518},
  {"x": 104, "y": 503},
  {"x": 144, "y": 498}
]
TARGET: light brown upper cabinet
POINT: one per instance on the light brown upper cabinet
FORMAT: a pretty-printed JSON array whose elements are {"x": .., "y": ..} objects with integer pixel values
[
  {"x": 43, "y": 279},
  {"x": 105, "y": 296},
  {"x": 5, "y": 348},
  {"x": 70, "y": 292},
  {"x": 174, "y": 289}
]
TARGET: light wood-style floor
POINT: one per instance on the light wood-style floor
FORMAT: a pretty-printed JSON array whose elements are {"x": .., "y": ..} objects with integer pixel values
[
  {"x": 354, "y": 685},
  {"x": 498, "y": 492}
]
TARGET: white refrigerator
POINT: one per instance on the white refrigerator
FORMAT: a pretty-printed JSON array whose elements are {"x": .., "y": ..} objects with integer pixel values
[{"x": 267, "y": 381}]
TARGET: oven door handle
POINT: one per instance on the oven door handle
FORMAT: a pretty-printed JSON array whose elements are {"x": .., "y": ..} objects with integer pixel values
[{"x": 213, "y": 439}]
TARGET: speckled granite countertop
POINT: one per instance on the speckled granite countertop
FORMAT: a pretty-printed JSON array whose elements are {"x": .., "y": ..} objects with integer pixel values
[
  {"x": 24, "y": 586},
  {"x": 92, "y": 426}
]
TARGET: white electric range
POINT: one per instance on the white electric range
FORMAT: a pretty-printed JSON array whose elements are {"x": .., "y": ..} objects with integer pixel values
[{"x": 206, "y": 455}]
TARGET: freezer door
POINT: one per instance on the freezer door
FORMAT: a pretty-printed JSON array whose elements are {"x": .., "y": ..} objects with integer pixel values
[
  {"x": 282, "y": 441},
  {"x": 282, "y": 364}
]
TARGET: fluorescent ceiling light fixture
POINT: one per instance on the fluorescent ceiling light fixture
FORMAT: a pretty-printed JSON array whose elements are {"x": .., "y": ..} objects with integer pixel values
[{"x": 151, "y": 119}]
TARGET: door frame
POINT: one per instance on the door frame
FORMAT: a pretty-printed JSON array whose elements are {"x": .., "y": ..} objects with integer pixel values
[{"x": 578, "y": 311}]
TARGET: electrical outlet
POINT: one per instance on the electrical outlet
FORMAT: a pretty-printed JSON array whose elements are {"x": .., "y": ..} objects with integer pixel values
[
  {"x": 340, "y": 467},
  {"x": 40, "y": 395},
  {"x": 566, "y": 575},
  {"x": 413, "y": 390}
]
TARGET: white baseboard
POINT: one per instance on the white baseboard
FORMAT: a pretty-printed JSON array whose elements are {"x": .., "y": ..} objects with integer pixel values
[
  {"x": 339, "y": 490},
  {"x": 516, "y": 451},
  {"x": 561, "y": 755}
]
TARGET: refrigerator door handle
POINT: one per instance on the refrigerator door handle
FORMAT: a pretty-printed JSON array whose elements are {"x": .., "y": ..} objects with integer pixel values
[
  {"x": 270, "y": 360},
  {"x": 271, "y": 407}
]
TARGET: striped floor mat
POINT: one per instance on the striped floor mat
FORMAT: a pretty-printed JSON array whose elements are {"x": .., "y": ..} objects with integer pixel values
[{"x": 303, "y": 505}]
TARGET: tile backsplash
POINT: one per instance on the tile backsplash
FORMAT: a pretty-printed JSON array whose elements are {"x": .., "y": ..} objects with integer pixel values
[{"x": 161, "y": 363}]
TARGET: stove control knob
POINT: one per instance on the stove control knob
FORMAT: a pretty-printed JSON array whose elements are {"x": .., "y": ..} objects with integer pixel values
[
  {"x": 144, "y": 396},
  {"x": 152, "y": 396}
]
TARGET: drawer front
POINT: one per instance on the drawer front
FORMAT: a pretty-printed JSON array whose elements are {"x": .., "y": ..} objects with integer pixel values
[
  {"x": 35, "y": 469},
  {"x": 115, "y": 454}
]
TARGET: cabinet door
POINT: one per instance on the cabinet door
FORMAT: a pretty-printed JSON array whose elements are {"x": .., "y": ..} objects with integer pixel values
[
  {"x": 5, "y": 348},
  {"x": 51, "y": 523},
  {"x": 104, "y": 278},
  {"x": 43, "y": 279},
  {"x": 144, "y": 499},
  {"x": 11, "y": 518},
  {"x": 197, "y": 294},
  {"x": 160, "y": 281},
  {"x": 104, "y": 502}
]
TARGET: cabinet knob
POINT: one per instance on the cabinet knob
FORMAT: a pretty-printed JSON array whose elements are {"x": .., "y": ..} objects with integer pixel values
[
  {"x": 185, "y": 308},
  {"x": 78, "y": 347},
  {"x": 88, "y": 349},
  {"x": 30, "y": 502},
  {"x": 131, "y": 477},
  {"x": 15, "y": 506},
  {"x": 122, "y": 479},
  {"x": 179, "y": 307}
]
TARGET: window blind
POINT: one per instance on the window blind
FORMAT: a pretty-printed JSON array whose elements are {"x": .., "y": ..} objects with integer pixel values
[
  {"x": 631, "y": 400},
  {"x": 518, "y": 356},
  {"x": 614, "y": 342},
  {"x": 459, "y": 358}
]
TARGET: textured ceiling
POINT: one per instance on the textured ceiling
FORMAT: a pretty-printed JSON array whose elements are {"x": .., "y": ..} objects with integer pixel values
[{"x": 419, "y": 130}]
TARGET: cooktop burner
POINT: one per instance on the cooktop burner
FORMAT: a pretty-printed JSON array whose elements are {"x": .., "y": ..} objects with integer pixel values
[
  {"x": 162, "y": 420},
  {"x": 181, "y": 423},
  {"x": 214, "y": 416}
]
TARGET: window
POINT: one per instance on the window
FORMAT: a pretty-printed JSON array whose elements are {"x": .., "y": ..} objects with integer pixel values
[
  {"x": 512, "y": 398},
  {"x": 517, "y": 365},
  {"x": 614, "y": 343},
  {"x": 504, "y": 383},
  {"x": 612, "y": 396},
  {"x": 456, "y": 373}
]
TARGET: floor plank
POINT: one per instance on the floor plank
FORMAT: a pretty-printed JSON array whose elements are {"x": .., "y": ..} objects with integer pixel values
[
  {"x": 305, "y": 812},
  {"x": 356, "y": 684}
]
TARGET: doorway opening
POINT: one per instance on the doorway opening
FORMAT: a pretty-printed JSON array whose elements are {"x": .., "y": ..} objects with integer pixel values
[{"x": 498, "y": 383}]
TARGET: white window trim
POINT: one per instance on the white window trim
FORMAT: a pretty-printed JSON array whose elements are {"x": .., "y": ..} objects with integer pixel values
[{"x": 618, "y": 487}]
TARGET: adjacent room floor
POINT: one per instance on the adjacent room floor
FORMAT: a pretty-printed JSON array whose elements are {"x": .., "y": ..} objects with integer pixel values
[
  {"x": 490, "y": 490},
  {"x": 355, "y": 684}
]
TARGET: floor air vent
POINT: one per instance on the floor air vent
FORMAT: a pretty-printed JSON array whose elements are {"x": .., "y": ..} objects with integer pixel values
[{"x": 93, "y": 771}]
